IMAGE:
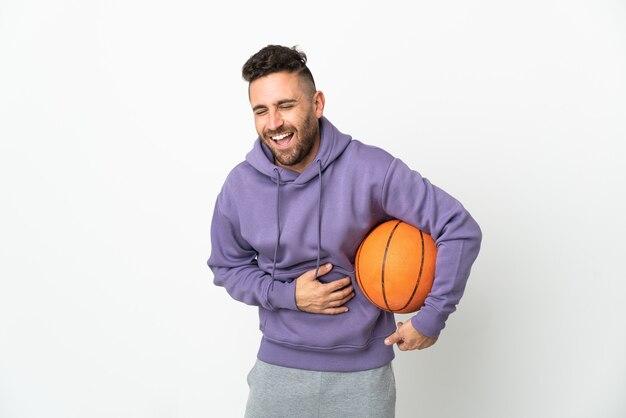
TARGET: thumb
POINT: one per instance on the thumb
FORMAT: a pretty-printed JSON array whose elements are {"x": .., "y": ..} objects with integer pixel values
[{"x": 393, "y": 338}]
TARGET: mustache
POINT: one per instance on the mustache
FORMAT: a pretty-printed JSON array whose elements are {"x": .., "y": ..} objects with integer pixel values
[{"x": 282, "y": 130}]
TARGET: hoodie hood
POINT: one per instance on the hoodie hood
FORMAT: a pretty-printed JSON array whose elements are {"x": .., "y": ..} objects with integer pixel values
[{"x": 332, "y": 145}]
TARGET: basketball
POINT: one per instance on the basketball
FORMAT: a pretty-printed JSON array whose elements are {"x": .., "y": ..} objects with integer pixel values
[{"x": 395, "y": 266}]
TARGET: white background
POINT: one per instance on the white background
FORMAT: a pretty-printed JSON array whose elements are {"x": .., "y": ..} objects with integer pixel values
[{"x": 119, "y": 121}]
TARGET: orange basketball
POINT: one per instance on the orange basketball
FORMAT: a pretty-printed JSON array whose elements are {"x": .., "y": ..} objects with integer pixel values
[{"x": 395, "y": 266}]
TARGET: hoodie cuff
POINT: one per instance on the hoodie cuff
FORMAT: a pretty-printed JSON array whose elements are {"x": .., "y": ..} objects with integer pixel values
[
  {"x": 429, "y": 321},
  {"x": 282, "y": 295}
]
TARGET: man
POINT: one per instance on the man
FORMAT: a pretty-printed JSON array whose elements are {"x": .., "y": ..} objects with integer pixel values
[{"x": 286, "y": 227}]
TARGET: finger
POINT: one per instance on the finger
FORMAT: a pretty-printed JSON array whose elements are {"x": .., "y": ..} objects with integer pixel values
[
  {"x": 338, "y": 284},
  {"x": 310, "y": 275},
  {"x": 392, "y": 339},
  {"x": 335, "y": 311},
  {"x": 403, "y": 346},
  {"x": 347, "y": 298},
  {"x": 427, "y": 343},
  {"x": 341, "y": 301},
  {"x": 342, "y": 293},
  {"x": 325, "y": 268}
]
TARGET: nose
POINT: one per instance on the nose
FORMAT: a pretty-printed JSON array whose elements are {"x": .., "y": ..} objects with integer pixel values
[{"x": 275, "y": 120}]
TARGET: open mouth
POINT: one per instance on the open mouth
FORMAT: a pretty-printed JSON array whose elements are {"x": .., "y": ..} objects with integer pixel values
[{"x": 282, "y": 139}]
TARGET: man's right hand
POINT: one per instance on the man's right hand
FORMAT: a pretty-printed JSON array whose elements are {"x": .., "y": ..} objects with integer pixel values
[{"x": 314, "y": 296}]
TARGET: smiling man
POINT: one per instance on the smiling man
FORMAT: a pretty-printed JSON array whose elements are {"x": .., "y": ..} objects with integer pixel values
[{"x": 286, "y": 227}]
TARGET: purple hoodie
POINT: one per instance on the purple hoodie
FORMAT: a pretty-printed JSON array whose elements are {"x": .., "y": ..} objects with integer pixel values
[{"x": 270, "y": 225}]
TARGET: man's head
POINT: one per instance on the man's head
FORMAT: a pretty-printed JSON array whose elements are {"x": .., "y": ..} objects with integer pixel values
[{"x": 286, "y": 105}]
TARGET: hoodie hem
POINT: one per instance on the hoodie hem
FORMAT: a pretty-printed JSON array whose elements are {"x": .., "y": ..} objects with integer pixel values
[{"x": 374, "y": 355}]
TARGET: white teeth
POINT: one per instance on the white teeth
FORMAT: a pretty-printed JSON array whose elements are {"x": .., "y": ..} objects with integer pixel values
[{"x": 279, "y": 137}]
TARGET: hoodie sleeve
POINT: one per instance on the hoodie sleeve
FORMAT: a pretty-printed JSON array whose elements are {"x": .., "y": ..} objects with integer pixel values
[
  {"x": 234, "y": 265},
  {"x": 410, "y": 197}
]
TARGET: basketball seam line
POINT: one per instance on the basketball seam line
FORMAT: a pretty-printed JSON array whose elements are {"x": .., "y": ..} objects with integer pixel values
[
  {"x": 382, "y": 279},
  {"x": 419, "y": 277},
  {"x": 358, "y": 275}
]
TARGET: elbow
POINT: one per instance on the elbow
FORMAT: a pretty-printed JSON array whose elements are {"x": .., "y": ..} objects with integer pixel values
[{"x": 476, "y": 234}]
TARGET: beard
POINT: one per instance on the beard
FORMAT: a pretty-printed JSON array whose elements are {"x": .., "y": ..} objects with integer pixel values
[{"x": 300, "y": 150}]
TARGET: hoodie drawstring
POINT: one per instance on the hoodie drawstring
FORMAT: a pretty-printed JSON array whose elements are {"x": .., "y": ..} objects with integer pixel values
[
  {"x": 319, "y": 219},
  {"x": 277, "y": 171}
]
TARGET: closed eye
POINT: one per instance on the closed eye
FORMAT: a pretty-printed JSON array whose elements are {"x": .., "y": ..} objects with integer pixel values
[{"x": 287, "y": 104}]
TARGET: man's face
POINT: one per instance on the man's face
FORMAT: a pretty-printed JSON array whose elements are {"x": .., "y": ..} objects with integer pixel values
[{"x": 286, "y": 118}]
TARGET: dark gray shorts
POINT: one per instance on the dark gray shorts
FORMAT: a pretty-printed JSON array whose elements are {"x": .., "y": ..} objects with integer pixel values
[{"x": 277, "y": 392}]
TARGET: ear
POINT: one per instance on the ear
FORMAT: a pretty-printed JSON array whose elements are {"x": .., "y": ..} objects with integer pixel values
[{"x": 318, "y": 102}]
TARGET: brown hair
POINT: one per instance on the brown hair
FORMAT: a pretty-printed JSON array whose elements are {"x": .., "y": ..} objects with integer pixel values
[{"x": 276, "y": 58}]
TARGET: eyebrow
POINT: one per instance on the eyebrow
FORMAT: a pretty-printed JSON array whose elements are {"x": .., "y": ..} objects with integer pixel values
[{"x": 278, "y": 103}]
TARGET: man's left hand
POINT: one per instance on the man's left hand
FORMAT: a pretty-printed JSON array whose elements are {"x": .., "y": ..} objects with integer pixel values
[{"x": 408, "y": 338}]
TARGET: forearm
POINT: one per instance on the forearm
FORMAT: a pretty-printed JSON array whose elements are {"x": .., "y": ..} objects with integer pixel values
[
  {"x": 251, "y": 285},
  {"x": 454, "y": 261},
  {"x": 233, "y": 262}
]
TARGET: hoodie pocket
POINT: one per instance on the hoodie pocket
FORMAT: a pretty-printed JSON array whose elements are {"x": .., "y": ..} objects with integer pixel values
[{"x": 354, "y": 329}]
